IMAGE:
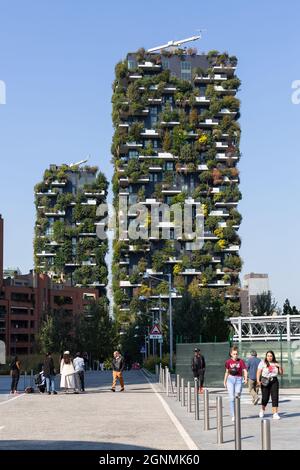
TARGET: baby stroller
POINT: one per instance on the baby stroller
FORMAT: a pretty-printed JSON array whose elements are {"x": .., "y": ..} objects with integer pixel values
[{"x": 40, "y": 382}]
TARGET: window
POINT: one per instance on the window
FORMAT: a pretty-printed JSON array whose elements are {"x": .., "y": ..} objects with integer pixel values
[
  {"x": 165, "y": 64},
  {"x": 186, "y": 70},
  {"x": 133, "y": 154},
  {"x": 153, "y": 115},
  {"x": 132, "y": 64},
  {"x": 169, "y": 166}
]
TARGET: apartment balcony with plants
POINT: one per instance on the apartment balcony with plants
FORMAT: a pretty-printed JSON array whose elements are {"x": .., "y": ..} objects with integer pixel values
[
  {"x": 176, "y": 140},
  {"x": 66, "y": 245}
]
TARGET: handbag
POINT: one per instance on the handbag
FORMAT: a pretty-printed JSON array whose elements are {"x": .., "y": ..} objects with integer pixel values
[{"x": 265, "y": 381}]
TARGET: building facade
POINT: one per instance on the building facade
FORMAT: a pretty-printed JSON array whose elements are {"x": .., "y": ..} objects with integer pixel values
[
  {"x": 254, "y": 284},
  {"x": 176, "y": 141},
  {"x": 66, "y": 245},
  {"x": 24, "y": 299}
]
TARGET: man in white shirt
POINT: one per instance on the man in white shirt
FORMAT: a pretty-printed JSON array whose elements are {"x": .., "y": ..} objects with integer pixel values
[{"x": 79, "y": 370}]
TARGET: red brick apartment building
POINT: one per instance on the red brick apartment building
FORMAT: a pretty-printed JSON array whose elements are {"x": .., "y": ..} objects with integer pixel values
[{"x": 23, "y": 300}]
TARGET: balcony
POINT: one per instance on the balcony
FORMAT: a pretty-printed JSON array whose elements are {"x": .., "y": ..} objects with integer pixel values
[
  {"x": 227, "y": 112},
  {"x": 226, "y": 204},
  {"x": 44, "y": 254},
  {"x": 202, "y": 79},
  {"x": 219, "y": 283},
  {"x": 219, "y": 213},
  {"x": 190, "y": 272},
  {"x": 46, "y": 193},
  {"x": 174, "y": 260},
  {"x": 90, "y": 202},
  {"x": 128, "y": 284},
  {"x": 203, "y": 167},
  {"x": 209, "y": 123},
  {"x": 170, "y": 89},
  {"x": 87, "y": 234},
  {"x": 224, "y": 68},
  {"x": 88, "y": 263},
  {"x": 55, "y": 214},
  {"x": 124, "y": 124},
  {"x": 149, "y": 66},
  {"x": 154, "y": 100},
  {"x": 171, "y": 191},
  {"x": 216, "y": 259},
  {"x": 94, "y": 193},
  {"x": 225, "y": 91},
  {"x": 133, "y": 145},
  {"x": 135, "y": 76},
  {"x": 232, "y": 248},
  {"x": 170, "y": 123},
  {"x": 58, "y": 183},
  {"x": 219, "y": 76},
  {"x": 149, "y": 133},
  {"x": 202, "y": 100},
  {"x": 221, "y": 145},
  {"x": 155, "y": 168}
]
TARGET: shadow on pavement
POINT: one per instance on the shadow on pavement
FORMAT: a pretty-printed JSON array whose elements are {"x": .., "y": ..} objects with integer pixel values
[{"x": 66, "y": 445}]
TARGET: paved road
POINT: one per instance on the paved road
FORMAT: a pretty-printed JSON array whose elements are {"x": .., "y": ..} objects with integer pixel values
[{"x": 98, "y": 419}]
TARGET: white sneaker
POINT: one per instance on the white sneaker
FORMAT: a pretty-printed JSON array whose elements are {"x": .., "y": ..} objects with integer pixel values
[
  {"x": 261, "y": 414},
  {"x": 233, "y": 419},
  {"x": 276, "y": 416}
]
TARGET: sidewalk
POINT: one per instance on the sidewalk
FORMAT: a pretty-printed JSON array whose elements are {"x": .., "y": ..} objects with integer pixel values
[{"x": 285, "y": 433}]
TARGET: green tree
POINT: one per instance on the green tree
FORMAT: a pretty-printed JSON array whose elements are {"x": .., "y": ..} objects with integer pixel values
[{"x": 264, "y": 305}]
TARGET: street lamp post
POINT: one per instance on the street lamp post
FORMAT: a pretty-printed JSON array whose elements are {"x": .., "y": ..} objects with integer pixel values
[{"x": 150, "y": 276}]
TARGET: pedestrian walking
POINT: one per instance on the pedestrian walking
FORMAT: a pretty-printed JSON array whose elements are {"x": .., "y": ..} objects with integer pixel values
[
  {"x": 198, "y": 368},
  {"x": 15, "y": 367},
  {"x": 78, "y": 364},
  {"x": 267, "y": 378},
  {"x": 235, "y": 369},
  {"x": 49, "y": 373},
  {"x": 252, "y": 365},
  {"x": 67, "y": 380},
  {"x": 118, "y": 365}
]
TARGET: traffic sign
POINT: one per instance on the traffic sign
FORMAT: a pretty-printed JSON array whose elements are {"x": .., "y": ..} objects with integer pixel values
[
  {"x": 155, "y": 332},
  {"x": 143, "y": 350}
]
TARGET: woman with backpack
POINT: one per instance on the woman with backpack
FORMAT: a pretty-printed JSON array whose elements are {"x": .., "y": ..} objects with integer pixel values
[
  {"x": 15, "y": 367},
  {"x": 235, "y": 369},
  {"x": 267, "y": 378}
]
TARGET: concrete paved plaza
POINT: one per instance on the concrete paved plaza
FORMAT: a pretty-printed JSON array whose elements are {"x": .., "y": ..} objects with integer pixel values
[{"x": 140, "y": 418}]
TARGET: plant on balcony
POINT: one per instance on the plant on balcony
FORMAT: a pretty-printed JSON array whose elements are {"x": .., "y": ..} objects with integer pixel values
[
  {"x": 220, "y": 245},
  {"x": 177, "y": 269},
  {"x": 167, "y": 141},
  {"x": 233, "y": 262}
]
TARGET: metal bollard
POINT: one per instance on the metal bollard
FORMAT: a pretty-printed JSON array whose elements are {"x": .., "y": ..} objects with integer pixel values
[
  {"x": 182, "y": 393},
  {"x": 206, "y": 410},
  {"x": 25, "y": 379},
  {"x": 178, "y": 387},
  {"x": 196, "y": 395},
  {"x": 156, "y": 370},
  {"x": 165, "y": 377},
  {"x": 189, "y": 397},
  {"x": 237, "y": 423},
  {"x": 160, "y": 374},
  {"x": 167, "y": 381},
  {"x": 265, "y": 434},
  {"x": 219, "y": 407}
]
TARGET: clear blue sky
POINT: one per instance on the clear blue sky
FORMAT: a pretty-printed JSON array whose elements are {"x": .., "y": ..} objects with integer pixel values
[{"x": 57, "y": 59}]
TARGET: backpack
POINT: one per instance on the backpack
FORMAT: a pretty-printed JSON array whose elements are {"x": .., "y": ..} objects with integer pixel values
[{"x": 29, "y": 390}]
